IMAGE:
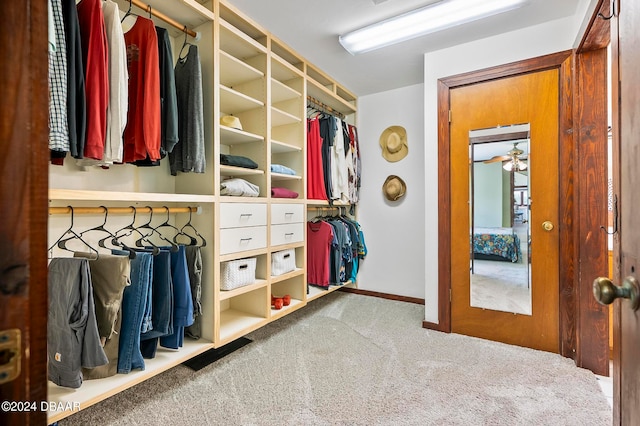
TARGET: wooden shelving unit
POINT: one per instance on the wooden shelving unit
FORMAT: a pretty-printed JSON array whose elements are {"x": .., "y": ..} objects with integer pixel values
[{"x": 253, "y": 76}]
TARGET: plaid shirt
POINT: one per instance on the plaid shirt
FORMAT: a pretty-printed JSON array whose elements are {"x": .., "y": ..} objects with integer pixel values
[{"x": 58, "y": 125}]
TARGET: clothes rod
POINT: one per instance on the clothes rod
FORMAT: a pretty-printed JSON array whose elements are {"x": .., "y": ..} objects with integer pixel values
[
  {"x": 324, "y": 107},
  {"x": 121, "y": 210},
  {"x": 165, "y": 18}
]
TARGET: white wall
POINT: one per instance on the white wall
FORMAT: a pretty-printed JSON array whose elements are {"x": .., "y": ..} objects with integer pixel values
[
  {"x": 550, "y": 37},
  {"x": 394, "y": 231},
  {"x": 487, "y": 202}
]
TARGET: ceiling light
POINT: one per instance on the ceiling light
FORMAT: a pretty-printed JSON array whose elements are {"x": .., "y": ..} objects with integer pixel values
[
  {"x": 425, "y": 20},
  {"x": 515, "y": 164}
]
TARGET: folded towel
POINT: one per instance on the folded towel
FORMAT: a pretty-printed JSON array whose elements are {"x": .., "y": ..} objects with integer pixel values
[
  {"x": 283, "y": 193},
  {"x": 279, "y": 168},
  {"x": 239, "y": 187},
  {"x": 238, "y": 161}
]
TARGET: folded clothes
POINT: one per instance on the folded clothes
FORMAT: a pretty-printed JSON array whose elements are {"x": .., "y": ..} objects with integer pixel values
[
  {"x": 283, "y": 193},
  {"x": 239, "y": 187},
  {"x": 279, "y": 168},
  {"x": 238, "y": 161}
]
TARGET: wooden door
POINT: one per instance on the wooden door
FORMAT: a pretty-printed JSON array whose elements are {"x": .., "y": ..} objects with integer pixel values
[
  {"x": 23, "y": 191},
  {"x": 530, "y": 98},
  {"x": 625, "y": 41}
]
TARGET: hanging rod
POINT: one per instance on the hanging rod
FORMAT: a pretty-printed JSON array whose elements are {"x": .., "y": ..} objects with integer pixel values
[
  {"x": 165, "y": 18},
  {"x": 324, "y": 107},
  {"x": 121, "y": 210}
]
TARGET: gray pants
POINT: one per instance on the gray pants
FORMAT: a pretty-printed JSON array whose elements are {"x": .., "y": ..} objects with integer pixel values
[{"x": 72, "y": 332}]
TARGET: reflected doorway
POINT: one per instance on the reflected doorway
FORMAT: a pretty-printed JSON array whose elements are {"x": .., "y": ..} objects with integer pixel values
[{"x": 499, "y": 217}]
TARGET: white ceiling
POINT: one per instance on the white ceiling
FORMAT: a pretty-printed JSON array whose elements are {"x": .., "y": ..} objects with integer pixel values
[{"x": 312, "y": 28}]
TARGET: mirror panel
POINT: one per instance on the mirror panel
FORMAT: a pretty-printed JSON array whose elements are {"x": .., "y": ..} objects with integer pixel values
[{"x": 499, "y": 211}]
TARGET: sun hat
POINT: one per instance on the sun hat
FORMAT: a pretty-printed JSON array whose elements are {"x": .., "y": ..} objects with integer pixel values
[
  {"x": 393, "y": 142},
  {"x": 231, "y": 121},
  {"x": 394, "y": 188}
]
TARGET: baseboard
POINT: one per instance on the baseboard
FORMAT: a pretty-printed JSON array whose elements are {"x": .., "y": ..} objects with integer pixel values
[
  {"x": 383, "y": 295},
  {"x": 212, "y": 355},
  {"x": 434, "y": 326}
]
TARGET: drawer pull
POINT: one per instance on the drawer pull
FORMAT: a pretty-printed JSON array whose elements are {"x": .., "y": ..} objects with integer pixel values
[
  {"x": 246, "y": 214},
  {"x": 245, "y": 266},
  {"x": 288, "y": 234},
  {"x": 246, "y": 239},
  {"x": 288, "y": 213},
  {"x": 286, "y": 256}
]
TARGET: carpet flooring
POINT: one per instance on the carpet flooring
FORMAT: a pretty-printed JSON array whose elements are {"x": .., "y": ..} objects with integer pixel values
[{"x": 348, "y": 359}]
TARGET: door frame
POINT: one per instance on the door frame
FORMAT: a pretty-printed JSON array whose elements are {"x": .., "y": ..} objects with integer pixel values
[
  {"x": 583, "y": 324},
  {"x": 23, "y": 191}
]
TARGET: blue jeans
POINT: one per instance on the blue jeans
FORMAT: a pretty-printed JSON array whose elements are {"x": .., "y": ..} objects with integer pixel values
[
  {"x": 134, "y": 301},
  {"x": 182, "y": 300},
  {"x": 162, "y": 318}
]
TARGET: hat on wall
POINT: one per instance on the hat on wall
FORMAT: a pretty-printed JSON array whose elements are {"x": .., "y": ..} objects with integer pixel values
[
  {"x": 393, "y": 142},
  {"x": 231, "y": 121},
  {"x": 394, "y": 188}
]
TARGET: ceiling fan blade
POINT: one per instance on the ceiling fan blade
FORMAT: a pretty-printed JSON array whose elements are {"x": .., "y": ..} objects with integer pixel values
[{"x": 497, "y": 158}]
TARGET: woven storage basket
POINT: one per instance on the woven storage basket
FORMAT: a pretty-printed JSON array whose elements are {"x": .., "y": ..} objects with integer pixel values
[
  {"x": 283, "y": 261},
  {"x": 237, "y": 273}
]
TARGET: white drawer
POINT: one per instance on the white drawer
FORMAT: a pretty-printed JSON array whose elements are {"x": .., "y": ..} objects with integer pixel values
[
  {"x": 287, "y": 213},
  {"x": 286, "y": 234},
  {"x": 233, "y": 240},
  {"x": 236, "y": 215}
]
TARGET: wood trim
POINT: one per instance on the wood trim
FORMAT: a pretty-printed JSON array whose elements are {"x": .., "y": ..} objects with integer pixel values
[
  {"x": 540, "y": 63},
  {"x": 445, "y": 85},
  {"x": 590, "y": 131},
  {"x": 434, "y": 326},
  {"x": 23, "y": 190},
  {"x": 387, "y": 296},
  {"x": 597, "y": 34},
  {"x": 444, "y": 209},
  {"x": 567, "y": 214}
]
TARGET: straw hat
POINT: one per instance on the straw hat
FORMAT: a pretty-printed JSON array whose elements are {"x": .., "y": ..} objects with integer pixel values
[
  {"x": 231, "y": 121},
  {"x": 393, "y": 142},
  {"x": 394, "y": 188}
]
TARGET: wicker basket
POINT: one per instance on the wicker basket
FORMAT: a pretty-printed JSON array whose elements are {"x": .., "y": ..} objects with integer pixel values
[
  {"x": 283, "y": 261},
  {"x": 237, "y": 273}
]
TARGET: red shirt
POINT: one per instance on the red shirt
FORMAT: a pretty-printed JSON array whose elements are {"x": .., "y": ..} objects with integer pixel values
[
  {"x": 319, "y": 238},
  {"x": 94, "y": 56},
  {"x": 142, "y": 134}
]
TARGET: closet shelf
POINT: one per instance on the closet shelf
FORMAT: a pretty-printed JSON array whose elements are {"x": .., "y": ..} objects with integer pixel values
[
  {"x": 153, "y": 197},
  {"x": 239, "y": 171},
  {"x": 317, "y": 292},
  {"x": 242, "y": 254},
  {"x": 234, "y": 324},
  {"x": 233, "y": 71},
  {"x": 236, "y": 199},
  {"x": 278, "y": 147},
  {"x": 187, "y": 12},
  {"x": 93, "y": 391},
  {"x": 280, "y": 118},
  {"x": 284, "y": 277},
  {"x": 327, "y": 97},
  {"x": 234, "y": 102},
  {"x": 284, "y": 177},
  {"x": 293, "y": 306},
  {"x": 282, "y": 70},
  {"x": 312, "y": 203},
  {"x": 281, "y": 92},
  {"x": 228, "y": 294},
  {"x": 230, "y": 136},
  {"x": 237, "y": 43}
]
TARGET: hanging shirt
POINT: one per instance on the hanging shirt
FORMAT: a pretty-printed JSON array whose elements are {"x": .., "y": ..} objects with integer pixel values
[
  {"x": 76, "y": 101},
  {"x": 118, "y": 84},
  {"x": 355, "y": 167},
  {"x": 188, "y": 154},
  {"x": 319, "y": 240},
  {"x": 327, "y": 133},
  {"x": 95, "y": 60},
  {"x": 315, "y": 174},
  {"x": 142, "y": 134},
  {"x": 58, "y": 126},
  {"x": 339, "y": 173}
]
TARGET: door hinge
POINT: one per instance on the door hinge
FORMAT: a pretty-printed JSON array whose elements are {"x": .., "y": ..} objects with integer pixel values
[{"x": 450, "y": 116}]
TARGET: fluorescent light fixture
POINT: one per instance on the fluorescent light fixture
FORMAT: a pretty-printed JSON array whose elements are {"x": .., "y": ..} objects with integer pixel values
[{"x": 422, "y": 21}]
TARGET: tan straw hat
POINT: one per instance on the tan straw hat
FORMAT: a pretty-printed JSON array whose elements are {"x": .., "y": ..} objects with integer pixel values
[
  {"x": 394, "y": 188},
  {"x": 231, "y": 121},
  {"x": 393, "y": 142}
]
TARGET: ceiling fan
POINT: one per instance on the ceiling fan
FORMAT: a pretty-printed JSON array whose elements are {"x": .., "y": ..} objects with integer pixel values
[{"x": 514, "y": 160}]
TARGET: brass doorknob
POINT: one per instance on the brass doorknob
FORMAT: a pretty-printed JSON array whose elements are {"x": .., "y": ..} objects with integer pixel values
[
  {"x": 606, "y": 292},
  {"x": 547, "y": 225}
]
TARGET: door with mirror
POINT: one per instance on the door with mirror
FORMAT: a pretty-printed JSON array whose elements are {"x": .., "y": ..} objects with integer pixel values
[{"x": 504, "y": 210}]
